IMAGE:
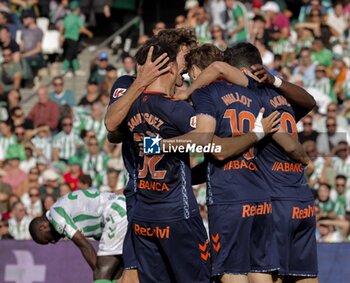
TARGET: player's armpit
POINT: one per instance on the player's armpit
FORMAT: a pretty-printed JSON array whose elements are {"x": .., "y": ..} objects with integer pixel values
[
  {"x": 86, "y": 249},
  {"x": 218, "y": 70},
  {"x": 115, "y": 137},
  {"x": 199, "y": 173},
  {"x": 291, "y": 146},
  {"x": 233, "y": 146}
]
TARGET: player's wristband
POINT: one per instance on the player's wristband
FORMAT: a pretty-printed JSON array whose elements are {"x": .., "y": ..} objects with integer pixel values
[
  {"x": 277, "y": 83},
  {"x": 258, "y": 127}
]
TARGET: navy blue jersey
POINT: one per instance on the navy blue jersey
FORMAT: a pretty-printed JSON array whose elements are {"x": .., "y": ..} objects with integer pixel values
[
  {"x": 119, "y": 88},
  {"x": 285, "y": 177},
  {"x": 234, "y": 108},
  {"x": 164, "y": 180}
]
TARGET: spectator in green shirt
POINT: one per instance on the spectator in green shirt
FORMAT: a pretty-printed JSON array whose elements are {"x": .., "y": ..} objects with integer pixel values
[
  {"x": 320, "y": 54},
  {"x": 73, "y": 26},
  {"x": 324, "y": 202},
  {"x": 10, "y": 72}
]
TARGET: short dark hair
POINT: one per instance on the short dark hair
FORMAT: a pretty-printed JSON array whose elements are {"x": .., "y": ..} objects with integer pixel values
[
  {"x": 326, "y": 184},
  {"x": 159, "y": 46},
  {"x": 242, "y": 55},
  {"x": 85, "y": 179},
  {"x": 34, "y": 228},
  {"x": 340, "y": 176},
  {"x": 178, "y": 37}
]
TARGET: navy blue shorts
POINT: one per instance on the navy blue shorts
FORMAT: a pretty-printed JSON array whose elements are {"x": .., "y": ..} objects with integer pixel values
[
  {"x": 242, "y": 238},
  {"x": 295, "y": 225},
  {"x": 129, "y": 256},
  {"x": 173, "y": 252}
]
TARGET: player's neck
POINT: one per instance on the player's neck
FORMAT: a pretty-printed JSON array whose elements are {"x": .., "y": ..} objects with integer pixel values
[{"x": 161, "y": 85}]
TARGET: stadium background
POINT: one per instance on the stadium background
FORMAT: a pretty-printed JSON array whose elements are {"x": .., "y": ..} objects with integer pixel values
[{"x": 306, "y": 42}]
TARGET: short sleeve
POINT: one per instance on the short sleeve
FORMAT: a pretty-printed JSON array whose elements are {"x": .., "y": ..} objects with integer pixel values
[
  {"x": 238, "y": 12},
  {"x": 61, "y": 221},
  {"x": 184, "y": 117},
  {"x": 120, "y": 87},
  {"x": 203, "y": 102}
]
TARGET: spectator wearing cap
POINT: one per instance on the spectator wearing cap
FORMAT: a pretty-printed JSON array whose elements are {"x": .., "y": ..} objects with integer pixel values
[
  {"x": 99, "y": 71},
  {"x": 306, "y": 66},
  {"x": 235, "y": 22},
  {"x": 5, "y": 192},
  {"x": 45, "y": 111},
  {"x": 50, "y": 186},
  {"x": 10, "y": 72},
  {"x": 19, "y": 222},
  {"x": 92, "y": 94},
  {"x": 128, "y": 67},
  {"x": 275, "y": 19},
  {"x": 74, "y": 171},
  {"x": 95, "y": 161},
  {"x": 31, "y": 42},
  {"x": 323, "y": 83},
  {"x": 6, "y": 41},
  {"x": 7, "y": 137},
  {"x": 60, "y": 95},
  {"x": 14, "y": 175},
  {"x": 256, "y": 6},
  {"x": 66, "y": 143},
  {"x": 73, "y": 26}
]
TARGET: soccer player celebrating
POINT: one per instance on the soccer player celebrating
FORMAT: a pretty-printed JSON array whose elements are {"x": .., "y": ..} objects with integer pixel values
[
  {"x": 87, "y": 214},
  {"x": 166, "y": 222},
  {"x": 292, "y": 201},
  {"x": 124, "y": 93}
]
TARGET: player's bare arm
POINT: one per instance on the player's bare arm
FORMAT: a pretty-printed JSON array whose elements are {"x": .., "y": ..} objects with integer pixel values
[
  {"x": 298, "y": 96},
  {"x": 218, "y": 70},
  {"x": 146, "y": 74},
  {"x": 291, "y": 146},
  {"x": 86, "y": 249},
  {"x": 235, "y": 146}
]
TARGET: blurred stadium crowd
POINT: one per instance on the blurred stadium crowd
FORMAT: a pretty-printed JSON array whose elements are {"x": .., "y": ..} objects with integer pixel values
[{"x": 61, "y": 145}]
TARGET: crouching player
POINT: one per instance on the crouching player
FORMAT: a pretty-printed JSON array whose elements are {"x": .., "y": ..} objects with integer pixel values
[{"x": 87, "y": 214}]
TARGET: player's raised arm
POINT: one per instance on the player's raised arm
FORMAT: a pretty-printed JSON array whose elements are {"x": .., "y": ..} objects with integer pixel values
[
  {"x": 86, "y": 249},
  {"x": 298, "y": 96},
  {"x": 291, "y": 146},
  {"x": 218, "y": 70},
  {"x": 146, "y": 74},
  {"x": 235, "y": 146}
]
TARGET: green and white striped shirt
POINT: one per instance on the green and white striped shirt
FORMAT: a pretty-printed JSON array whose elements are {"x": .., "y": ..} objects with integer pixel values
[
  {"x": 84, "y": 210},
  {"x": 325, "y": 86},
  {"x": 67, "y": 144},
  {"x": 6, "y": 141},
  {"x": 96, "y": 167},
  {"x": 98, "y": 127}
]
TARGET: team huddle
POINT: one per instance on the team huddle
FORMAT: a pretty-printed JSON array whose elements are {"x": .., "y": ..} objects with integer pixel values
[{"x": 260, "y": 208}]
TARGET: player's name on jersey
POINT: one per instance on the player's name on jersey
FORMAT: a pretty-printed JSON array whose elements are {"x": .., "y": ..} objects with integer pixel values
[
  {"x": 147, "y": 118},
  {"x": 152, "y": 186},
  {"x": 279, "y": 101},
  {"x": 240, "y": 164},
  {"x": 157, "y": 232},
  {"x": 231, "y": 98},
  {"x": 288, "y": 167}
]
